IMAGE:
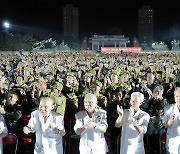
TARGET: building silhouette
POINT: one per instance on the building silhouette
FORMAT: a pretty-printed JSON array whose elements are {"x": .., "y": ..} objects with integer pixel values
[
  {"x": 146, "y": 25},
  {"x": 70, "y": 21}
]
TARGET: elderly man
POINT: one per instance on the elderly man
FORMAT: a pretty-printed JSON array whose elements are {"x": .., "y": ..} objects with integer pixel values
[
  {"x": 171, "y": 120},
  {"x": 134, "y": 124},
  {"x": 48, "y": 126},
  {"x": 91, "y": 124}
]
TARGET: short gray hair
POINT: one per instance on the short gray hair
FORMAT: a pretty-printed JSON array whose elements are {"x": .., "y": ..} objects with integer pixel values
[
  {"x": 47, "y": 99},
  {"x": 138, "y": 94},
  {"x": 93, "y": 96}
]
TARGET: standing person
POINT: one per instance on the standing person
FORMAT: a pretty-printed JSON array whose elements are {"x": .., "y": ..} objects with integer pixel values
[
  {"x": 12, "y": 113},
  {"x": 48, "y": 127},
  {"x": 91, "y": 124},
  {"x": 134, "y": 124},
  {"x": 58, "y": 97},
  {"x": 171, "y": 120},
  {"x": 155, "y": 108},
  {"x": 3, "y": 132}
]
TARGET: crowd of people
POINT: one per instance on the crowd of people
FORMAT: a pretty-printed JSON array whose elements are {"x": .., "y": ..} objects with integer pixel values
[{"x": 107, "y": 91}]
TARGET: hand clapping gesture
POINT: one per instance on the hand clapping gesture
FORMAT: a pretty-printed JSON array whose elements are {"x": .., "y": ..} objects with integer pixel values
[
  {"x": 120, "y": 110},
  {"x": 171, "y": 119},
  {"x": 131, "y": 113}
]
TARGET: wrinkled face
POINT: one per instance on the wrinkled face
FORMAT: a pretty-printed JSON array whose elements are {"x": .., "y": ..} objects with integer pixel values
[
  {"x": 177, "y": 96},
  {"x": 45, "y": 108},
  {"x": 90, "y": 104},
  {"x": 135, "y": 102}
]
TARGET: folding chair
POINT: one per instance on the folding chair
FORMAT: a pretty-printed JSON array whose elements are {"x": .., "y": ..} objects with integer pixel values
[{"x": 10, "y": 139}]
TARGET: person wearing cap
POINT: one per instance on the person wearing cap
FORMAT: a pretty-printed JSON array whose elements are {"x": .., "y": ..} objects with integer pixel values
[
  {"x": 125, "y": 80},
  {"x": 96, "y": 89},
  {"x": 71, "y": 88},
  {"x": 28, "y": 78},
  {"x": 171, "y": 121},
  {"x": 113, "y": 83},
  {"x": 91, "y": 124},
  {"x": 59, "y": 98},
  {"x": 134, "y": 124},
  {"x": 48, "y": 127},
  {"x": 84, "y": 88}
]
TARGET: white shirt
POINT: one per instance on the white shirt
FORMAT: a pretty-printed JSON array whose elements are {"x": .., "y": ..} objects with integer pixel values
[
  {"x": 173, "y": 132},
  {"x": 131, "y": 139},
  {"x": 3, "y": 129},
  {"x": 92, "y": 141},
  {"x": 47, "y": 142}
]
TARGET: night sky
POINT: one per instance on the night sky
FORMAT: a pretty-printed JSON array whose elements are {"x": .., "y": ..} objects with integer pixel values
[{"x": 44, "y": 17}]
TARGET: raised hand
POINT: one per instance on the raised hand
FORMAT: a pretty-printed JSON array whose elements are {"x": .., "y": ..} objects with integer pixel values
[
  {"x": 131, "y": 112},
  {"x": 171, "y": 119},
  {"x": 91, "y": 124},
  {"x": 120, "y": 110},
  {"x": 27, "y": 129}
]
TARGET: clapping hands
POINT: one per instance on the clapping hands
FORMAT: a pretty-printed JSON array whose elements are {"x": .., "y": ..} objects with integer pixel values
[{"x": 120, "y": 110}]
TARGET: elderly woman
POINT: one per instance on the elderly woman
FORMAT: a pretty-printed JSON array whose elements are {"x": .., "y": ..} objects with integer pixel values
[{"x": 91, "y": 124}]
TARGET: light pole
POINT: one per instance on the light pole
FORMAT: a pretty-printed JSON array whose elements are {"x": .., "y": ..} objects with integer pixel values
[{"x": 6, "y": 26}]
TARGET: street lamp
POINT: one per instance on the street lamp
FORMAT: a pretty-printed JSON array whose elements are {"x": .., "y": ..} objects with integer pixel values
[{"x": 6, "y": 26}]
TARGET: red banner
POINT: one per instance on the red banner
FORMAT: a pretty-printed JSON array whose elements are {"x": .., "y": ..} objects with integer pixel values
[{"x": 121, "y": 49}]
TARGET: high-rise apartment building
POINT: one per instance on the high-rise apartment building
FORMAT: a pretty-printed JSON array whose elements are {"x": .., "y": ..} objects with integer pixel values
[
  {"x": 146, "y": 25},
  {"x": 70, "y": 21}
]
